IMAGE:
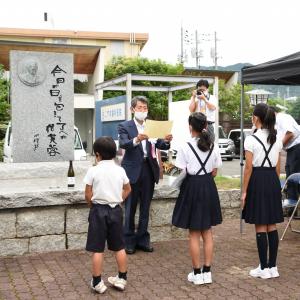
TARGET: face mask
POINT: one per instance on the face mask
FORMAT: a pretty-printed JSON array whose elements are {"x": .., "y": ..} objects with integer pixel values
[{"x": 140, "y": 115}]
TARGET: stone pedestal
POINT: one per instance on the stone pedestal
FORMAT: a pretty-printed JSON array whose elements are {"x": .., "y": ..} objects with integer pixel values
[{"x": 50, "y": 220}]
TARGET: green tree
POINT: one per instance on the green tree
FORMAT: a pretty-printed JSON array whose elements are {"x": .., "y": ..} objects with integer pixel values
[
  {"x": 80, "y": 87},
  {"x": 4, "y": 108},
  {"x": 287, "y": 104},
  {"x": 230, "y": 101},
  {"x": 158, "y": 101},
  {"x": 295, "y": 109},
  {"x": 274, "y": 101}
]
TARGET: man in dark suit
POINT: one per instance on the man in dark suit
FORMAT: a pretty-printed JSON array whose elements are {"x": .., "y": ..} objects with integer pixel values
[{"x": 142, "y": 169}]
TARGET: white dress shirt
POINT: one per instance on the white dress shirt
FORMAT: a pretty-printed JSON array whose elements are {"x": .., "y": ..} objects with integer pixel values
[
  {"x": 284, "y": 123},
  {"x": 252, "y": 145},
  {"x": 186, "y": 159},
  {"x": 201, "y": 106},
  {"x": 140, "y": 129}
]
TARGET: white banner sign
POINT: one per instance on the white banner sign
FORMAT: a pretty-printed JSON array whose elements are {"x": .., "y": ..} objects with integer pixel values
[{"x": 115, "y": 112}]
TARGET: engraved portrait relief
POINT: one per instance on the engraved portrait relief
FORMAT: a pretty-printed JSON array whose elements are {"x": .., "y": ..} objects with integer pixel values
[{"x": 31, "y": 71}]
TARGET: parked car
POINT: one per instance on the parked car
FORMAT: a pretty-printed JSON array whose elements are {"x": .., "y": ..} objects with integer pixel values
[
  {"x": 226, "y": 145},
  {"x": 235, "y": 135},
  {"x": 79, "y": 147}
]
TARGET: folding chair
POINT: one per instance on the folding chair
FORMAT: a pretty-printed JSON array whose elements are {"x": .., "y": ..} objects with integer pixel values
[{"x": 291, "y": 203}]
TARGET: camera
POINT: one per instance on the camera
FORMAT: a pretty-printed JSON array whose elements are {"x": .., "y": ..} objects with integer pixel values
[{"x": 199, "y": 92}]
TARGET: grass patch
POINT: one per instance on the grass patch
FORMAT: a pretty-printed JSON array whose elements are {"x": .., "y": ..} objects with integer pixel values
[{"x": 225, "y": 183}]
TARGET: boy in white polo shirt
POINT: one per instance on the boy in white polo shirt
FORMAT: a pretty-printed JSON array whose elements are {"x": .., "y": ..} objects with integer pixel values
[{"x": 107, "y": 186}]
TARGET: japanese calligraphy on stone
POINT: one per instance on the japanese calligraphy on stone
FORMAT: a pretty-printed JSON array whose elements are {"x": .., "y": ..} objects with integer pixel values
[
  {"x": 42, "y": 101},
  {"x": 57, "y": 96}
]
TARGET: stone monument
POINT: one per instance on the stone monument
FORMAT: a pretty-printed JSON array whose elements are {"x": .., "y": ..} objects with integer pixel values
[{"x": 42, "y": 100}]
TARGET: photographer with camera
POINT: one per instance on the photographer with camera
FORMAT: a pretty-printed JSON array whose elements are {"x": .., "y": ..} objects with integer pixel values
[{"x": 202, "y": 101}]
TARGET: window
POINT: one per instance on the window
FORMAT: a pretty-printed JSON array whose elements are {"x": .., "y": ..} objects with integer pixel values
[
  {"x": 117, "y": 48},
  {"x": 222, "y": 134},
  {"x": 235, "y": 135},
  {"x": 60, "y": 41},
  {"x": 9, "y": 135},
  {"x": 77, "y": 142}
]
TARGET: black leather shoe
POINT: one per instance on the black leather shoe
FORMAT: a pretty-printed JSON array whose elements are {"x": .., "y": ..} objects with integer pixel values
[
  {"x": 145, "y": 248},
  {"x": 130, "y": 251}
]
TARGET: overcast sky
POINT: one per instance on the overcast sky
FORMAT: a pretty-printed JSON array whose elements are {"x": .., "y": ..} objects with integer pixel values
[{"x": 251, "y": 31}]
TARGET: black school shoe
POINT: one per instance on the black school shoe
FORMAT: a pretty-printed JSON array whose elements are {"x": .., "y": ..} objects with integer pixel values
[
  {"x": 130, "y": 251},
  {"x": 145, "y": 248}
]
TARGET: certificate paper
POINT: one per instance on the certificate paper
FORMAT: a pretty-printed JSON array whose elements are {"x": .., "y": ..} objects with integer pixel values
[{"x": 158, "y": 129}]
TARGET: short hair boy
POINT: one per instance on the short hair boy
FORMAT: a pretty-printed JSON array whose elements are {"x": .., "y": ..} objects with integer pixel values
[{"x": 107, "y": 186}]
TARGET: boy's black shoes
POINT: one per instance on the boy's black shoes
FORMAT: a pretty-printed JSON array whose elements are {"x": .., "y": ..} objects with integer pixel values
[
  {"x": 129, "y": 251},
  {"x": 145, "y": 248},
  {"x": 138, "y": 247}
]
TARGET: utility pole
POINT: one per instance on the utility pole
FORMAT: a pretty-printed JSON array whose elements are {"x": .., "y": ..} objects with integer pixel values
[
  {"x": 184, "y": 40},
  {"x": 187, "y": 39},
  {"x": 181, "y": 53},
  {"x": 197, "y": 52},
  {"x": 216, "y": 52}
]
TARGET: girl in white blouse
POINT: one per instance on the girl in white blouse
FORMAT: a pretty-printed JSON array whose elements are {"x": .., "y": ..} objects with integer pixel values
[
  {"x": 261, "y": 195},
  {"x": 197, "y": 207}
]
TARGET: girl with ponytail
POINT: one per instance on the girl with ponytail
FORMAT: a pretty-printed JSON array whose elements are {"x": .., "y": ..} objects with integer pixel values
[
  {"x": 198, "y": 207},
  {"x": 261, "y": 195}
]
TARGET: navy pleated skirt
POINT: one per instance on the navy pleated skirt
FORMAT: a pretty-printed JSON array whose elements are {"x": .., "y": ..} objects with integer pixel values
[
  {"x": 198, "y": 205},
  {"x": 263, "y": 201}
]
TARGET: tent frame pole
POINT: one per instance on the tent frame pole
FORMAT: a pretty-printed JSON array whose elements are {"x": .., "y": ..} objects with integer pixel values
[{"x": 242, "y": 152}]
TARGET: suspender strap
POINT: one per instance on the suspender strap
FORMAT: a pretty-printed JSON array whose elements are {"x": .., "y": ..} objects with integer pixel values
[
  {"x": 199, "y": 160},
  {"x": 266, "y": 152}
]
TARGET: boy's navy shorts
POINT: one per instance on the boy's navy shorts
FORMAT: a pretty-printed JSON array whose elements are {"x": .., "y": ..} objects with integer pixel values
[{"x": 105, "y": 224}]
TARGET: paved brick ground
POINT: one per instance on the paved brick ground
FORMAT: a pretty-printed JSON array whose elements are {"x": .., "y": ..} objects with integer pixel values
[{"x": 159, "y": 275}]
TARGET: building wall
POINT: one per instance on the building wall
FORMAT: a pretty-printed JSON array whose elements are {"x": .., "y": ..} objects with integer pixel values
[
  {"x": 21, "y": 39},
  {"x": 113, "y": 48},
  {"x": 83, "y": 119},
  {"x": 233, "y": 80},
  {"x": 85, "y": 116}
]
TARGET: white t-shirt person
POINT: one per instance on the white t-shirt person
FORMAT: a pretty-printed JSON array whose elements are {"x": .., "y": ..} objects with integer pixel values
[
  {"x": 202, "y": 107},
  {"x": 107, "y": 180},
  {"x": 202, "y": 101}
]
